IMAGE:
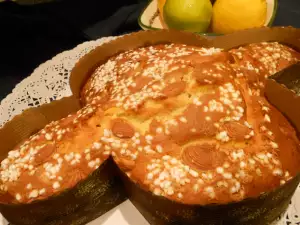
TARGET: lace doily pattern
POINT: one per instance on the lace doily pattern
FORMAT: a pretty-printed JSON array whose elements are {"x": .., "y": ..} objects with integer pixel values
[{"x": 50, "y": 81}]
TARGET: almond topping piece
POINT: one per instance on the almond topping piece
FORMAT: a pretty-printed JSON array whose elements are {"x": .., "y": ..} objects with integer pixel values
[{"x": 122, "y": 129}]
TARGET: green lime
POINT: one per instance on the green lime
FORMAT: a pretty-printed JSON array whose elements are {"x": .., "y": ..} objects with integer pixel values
[{"x": 189, "y": 15}]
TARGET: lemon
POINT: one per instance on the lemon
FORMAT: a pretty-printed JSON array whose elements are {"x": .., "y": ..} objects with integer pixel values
[
  {"x": 189, "y": 15},
  {"x": 233, "y": 15}
]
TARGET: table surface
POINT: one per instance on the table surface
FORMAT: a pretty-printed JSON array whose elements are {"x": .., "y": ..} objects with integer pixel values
[{"x": 26, "y": 42}]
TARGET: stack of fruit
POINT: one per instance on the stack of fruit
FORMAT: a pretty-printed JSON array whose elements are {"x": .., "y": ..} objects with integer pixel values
[{"x": 218, "y": 16}]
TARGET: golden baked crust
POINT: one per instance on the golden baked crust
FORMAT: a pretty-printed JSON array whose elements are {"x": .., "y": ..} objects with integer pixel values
[
  {"x": 188, "y": 123},
  {"x": 54, "y": 159},
  {"x": 201, "y": 129}
]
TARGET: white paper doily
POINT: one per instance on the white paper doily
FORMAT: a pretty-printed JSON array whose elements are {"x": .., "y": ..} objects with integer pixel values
[{"x": 50, "y": 81}]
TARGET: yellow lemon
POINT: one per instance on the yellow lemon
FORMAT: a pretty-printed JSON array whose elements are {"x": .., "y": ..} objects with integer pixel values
[
  {"x": 233, "y": 15},
  {"x": 189, "y": 15}
]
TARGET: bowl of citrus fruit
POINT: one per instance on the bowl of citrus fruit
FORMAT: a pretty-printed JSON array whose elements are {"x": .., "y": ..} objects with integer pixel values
[{"x": 208, "y": 17}]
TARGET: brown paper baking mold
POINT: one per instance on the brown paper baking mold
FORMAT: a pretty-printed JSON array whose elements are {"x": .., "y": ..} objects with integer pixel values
[{"x": 104, "y": 184}]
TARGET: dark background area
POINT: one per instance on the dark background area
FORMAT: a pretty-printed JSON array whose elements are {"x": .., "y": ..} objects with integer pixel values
[{"x": 30, "y": 35}]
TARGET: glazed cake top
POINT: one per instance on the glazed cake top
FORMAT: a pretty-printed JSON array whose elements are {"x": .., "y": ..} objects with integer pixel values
[
  {"x": 197, "y": 124},
  {"x": 188, "y": 123}
]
